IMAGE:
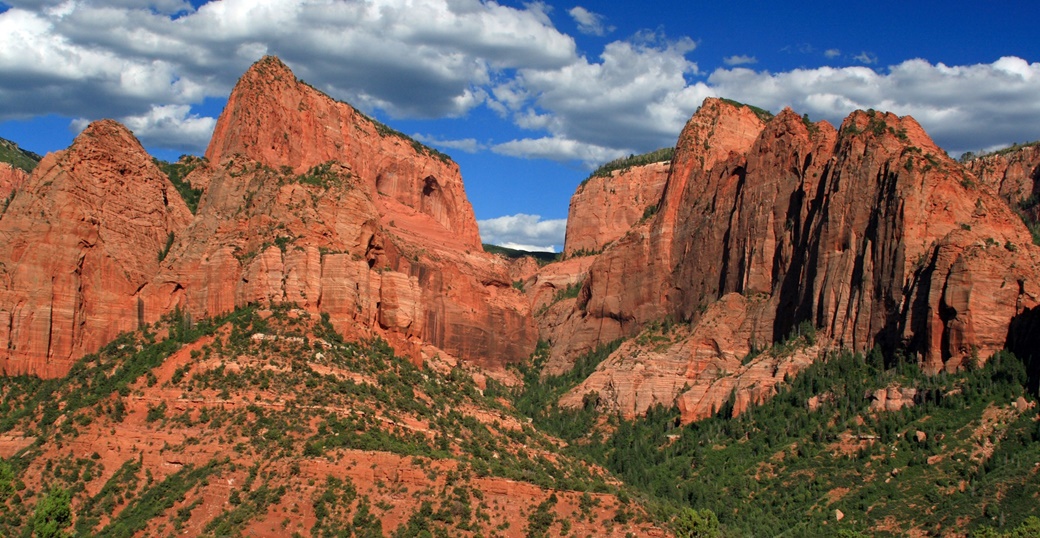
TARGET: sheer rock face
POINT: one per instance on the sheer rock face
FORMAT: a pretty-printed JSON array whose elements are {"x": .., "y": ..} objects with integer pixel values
[
  {"x": 628, "y": 284},
  {"x": 11, "y": 178},
  {"x": 1013, "y": 175},
  {"x": 308, "y": 201},
  {"x": 77, "y": 243},
  {"x": 871, "y": 233},
  {"x": 305, "y": 200},
  {"x": 604, "y": 208},
  {"x": 275, "y": 120}
]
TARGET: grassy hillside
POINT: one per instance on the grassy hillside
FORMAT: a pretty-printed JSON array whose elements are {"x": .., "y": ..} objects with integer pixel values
[
  {"x": 19, "y": 158},
  {"x": 268, "y": 423}
]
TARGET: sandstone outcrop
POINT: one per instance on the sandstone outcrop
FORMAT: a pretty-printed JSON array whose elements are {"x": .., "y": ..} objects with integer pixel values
[
  {"x": 306, "y": 200},
  {"x": 604, "y": 208},
  {"x": 77, "y": 242},
  {"x": 1013, "y": 174},
  {"x": 309, "y": 201},
  {"x": 11, "y": 178},
  {"x": 273, "y": 119},
  {"x": 869, "y": 233},
  {"x": 893, "y": 398},
  {"x": 627, "y": 284}
]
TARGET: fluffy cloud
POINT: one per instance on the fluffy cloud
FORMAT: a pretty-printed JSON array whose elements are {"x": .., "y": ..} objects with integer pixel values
[
  {"x": 742, "y": 59},
  {"x": 962, "y": 107},
  {"x": 427, "y": 58},
  {"x": 167, "y": 126},
  {"x": 524, "y": 232},
  {"x": 558, "y": 149},
  {"x": 171, "y": 126},
  {"x": 589, "y": 23},
  {"x": 635, "y": 97},
  {"x": 150, "y": 61}
]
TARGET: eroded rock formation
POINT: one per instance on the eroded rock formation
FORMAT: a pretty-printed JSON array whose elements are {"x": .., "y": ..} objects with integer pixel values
[
  {"x": 1013, "y": 174},
  {"x": 604, "y": 208},
  {"x": 869, "y": 233},
  {"x": 306, "y": 200},
  {"x": 77, "y": 243},
  {"x": 10, "y": 179}
]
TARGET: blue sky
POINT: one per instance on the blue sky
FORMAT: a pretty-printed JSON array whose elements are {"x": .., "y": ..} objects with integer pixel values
[{"x": 526, "y": 96}]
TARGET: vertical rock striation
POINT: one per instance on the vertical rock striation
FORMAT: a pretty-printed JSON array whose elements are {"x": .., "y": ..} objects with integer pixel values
[
  {"x": 305, "y": 200},
  {"x": 309, "y": 201},
  {"x": 869, "y": 233},
  {"x": 78, "y": 241}
]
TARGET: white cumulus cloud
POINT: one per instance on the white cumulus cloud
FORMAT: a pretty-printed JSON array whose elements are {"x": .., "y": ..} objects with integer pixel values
[
  {"x": 635, "y": 97},
  {"x": 524, "y": 232},
  {"x": 171, "y": 126},
  {"x": 166, "y": 126},
  {"x": 558, "y": 149},
  {"x": 590, "y": 23},
  {"x": 741, "y": 59},
  {"x": 964, "y": 108},
  {"x": 421, "y": 58},
  {"x": 150, "y": 62}
]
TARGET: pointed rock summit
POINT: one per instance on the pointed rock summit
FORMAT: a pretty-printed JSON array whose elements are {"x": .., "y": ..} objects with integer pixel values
[
  {"x": 278, "y": 121},
  {"x": 305, "y": 200},
  {"x": 309, "y": 201},
  {"x": 77, "y": 242}
]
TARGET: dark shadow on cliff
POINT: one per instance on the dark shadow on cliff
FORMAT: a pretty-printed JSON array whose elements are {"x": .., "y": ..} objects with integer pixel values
[{"x": 1024, "y": 341}]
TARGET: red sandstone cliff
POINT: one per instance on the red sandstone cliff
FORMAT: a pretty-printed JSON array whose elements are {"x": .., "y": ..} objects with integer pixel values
[
  {"x": 306, "y": 200},
  {"x": 627, "y": 285},
  {"x": 870, "y": 233},
  {"x": 77, "y": 243},
  {"x": 309, "y": 201},
  {"x": 604, "y": 208},
  {"x": 11, "y": 178},
  {"x": 275, "y": 120},
  {"x": 1013, "y": 174}
]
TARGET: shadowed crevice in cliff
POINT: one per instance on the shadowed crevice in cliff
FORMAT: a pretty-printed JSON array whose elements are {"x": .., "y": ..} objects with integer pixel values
[
  {"x": 1023, "y": 340},
  {"x": 794, "y": 303},
  {"x": 914, "y": 315},
  {"x": 727, "y": 275},
  {"x": 882, "y": 246}
]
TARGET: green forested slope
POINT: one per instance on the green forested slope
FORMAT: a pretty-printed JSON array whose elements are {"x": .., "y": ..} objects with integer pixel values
[{"x": 964, "y": 458}]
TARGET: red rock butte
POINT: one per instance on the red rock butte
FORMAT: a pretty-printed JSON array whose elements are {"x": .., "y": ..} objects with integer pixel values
[
  {"x": 870, "y": 233},
  {"x": 306, "y": 200}
]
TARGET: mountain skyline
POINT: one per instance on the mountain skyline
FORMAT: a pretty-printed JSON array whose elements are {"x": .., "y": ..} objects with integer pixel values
[{"x": 526, "y": 97}]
